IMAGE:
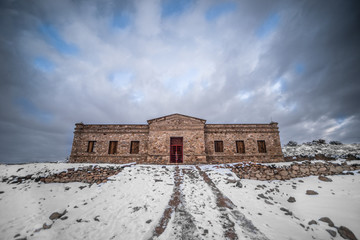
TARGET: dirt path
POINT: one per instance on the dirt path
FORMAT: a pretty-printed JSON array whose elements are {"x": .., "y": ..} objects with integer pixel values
[
  {"x": 229, "y": 210},
  {"x": 192, "y": 220}
]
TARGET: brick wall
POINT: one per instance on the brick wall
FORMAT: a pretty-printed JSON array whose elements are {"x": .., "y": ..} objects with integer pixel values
[
  {"x": 154, "y": 138},
  {"x": 250, "y": 134}
]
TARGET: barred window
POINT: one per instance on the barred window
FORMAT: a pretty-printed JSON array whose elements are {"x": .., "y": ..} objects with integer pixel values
[
  {"x": 261, "y": 146},
  {"x": 219, "y": 146},
  {"x": 240, "y": 146},
  {"x": 134, "y": 147},
  {"x": 91, "y": 145},
  {"x": 112, "y": 147}
]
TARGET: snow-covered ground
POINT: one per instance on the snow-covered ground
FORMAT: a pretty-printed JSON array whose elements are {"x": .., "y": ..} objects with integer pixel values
[
  {"x": 335, "y": 151},
  {"x": 131, "y": 204}
]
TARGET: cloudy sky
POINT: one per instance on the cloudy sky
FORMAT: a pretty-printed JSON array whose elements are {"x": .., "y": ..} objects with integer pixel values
[{"x": 62, "y": 62}]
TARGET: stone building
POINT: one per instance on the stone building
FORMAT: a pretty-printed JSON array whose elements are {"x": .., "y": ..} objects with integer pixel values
[{"x": 176, "y": 139}]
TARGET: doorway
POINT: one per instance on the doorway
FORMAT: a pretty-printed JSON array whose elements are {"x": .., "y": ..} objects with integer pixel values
[{"x": 176, "y": 150}]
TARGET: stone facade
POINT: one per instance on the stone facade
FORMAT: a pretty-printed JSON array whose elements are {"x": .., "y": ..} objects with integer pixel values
[{"x": 195, "y": 142}]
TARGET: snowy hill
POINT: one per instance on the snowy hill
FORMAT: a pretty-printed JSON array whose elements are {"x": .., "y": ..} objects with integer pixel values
[
  {"x": 169, "y": 202},
  {"x": 331, "y": 151}
]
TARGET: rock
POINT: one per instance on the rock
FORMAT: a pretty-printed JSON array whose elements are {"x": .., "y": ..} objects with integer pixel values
[
  {"x": 311, "y": 192},
  {"x": 325, "y": 179},
  {"x": 97, "y": 218},
  {"x": 287, "y": 212},
  {"x": 262, "y": 196},
  {"x": 327, "y": 220},
  {"x": 158, "y": 180},
  {"x": 346, "y": 233},
  {"x": 231, "y": 181},
  {"x": 284, "y": 173},
  {"x": 312, "y": 222},
  {"x": 1, "y": 192},
  {"x": 295, "y": 167},
  {"x": 291, "y": 199},
  {"x": 268, "y": 202},
  {"x": 148, "y": 221},
  {"x": 45, "y": 226},
  {"x": 81, "y": 187},
  {"x": 56, "y": 215},
  {"x": 64, "y": 218},
  {"x": 332, "y": 232},
  {"x": 17, "y": 235},
  {"x": 238, "y": 184}
]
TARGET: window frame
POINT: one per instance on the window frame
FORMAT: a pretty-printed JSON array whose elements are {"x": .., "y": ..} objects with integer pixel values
[
  {"x": 237, "y": 146},
  {"x": 132, "y": 144},
  {"x": 218, "y": 148},
  {"x": 112, "y": 149},
  {"x": 261, "y": 149},
  {"x": 91, "y": 146}
]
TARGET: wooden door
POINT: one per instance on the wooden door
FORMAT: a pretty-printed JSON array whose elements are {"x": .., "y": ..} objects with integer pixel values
[{"x": 176, "y": 150}]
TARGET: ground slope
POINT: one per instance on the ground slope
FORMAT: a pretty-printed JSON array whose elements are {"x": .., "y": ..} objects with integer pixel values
[{"x": 175, "y": 202}]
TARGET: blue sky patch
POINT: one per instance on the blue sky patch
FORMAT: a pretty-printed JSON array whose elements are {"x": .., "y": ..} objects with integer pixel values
[
  {"x": 299, "y": 68},
  {"x": 121, "y": 20},
  {"x": 29, "y": 108},
  {"x": 175, "y": 7},
  {"x": 217, "y": 10},
  {"x": 268, "y": 26},
  {"x": 53, "y": 38},
  {"x": 121, "y": 79},
  {"x": 43, "y": 64}
]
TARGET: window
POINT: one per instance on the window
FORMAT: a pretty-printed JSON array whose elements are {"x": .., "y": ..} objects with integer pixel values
[
  {"x": 219, "y": 146},
  {"x": 261, "y": 146},
  {"x": 134, "y": 148},
  {"x": 240, "y": 147},
  {"x": 90, "y": 147},
  {"x": 113, "y": 147}
]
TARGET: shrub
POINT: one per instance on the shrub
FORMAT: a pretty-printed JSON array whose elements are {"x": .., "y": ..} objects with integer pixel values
[
  {"x": 335, "y": 143},
  {"x": 319, "y": 141},
  {"x": 292, "y": 144}
]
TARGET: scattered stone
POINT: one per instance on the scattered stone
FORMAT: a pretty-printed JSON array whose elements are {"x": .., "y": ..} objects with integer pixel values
[
  {"x": 238, "y": 184},
  {"x": 17, "y": 235},
  {"x": 158, "y": 180},
  {"x": 79, "y": 220},
  {"x": 268, "y": 202},
  {"x": 262, "y": 196},
  {"x": 1, "y": 192},
  {"x": 45, "y": 226},
  {"x": 332, "y": 232},
  {"x": 346, "y": 233},
  {"x": 64, "y": 218},
  {"x": 67, "y": 188},
  {"x": 301, "y": 181},
  {"x": 135, "y": 209},
  {"x": 56, "y": 215},
  {"x": 312, "y": 222},
  {"x": 311, "y": 192},
  {"x": 148, "y": 221},
  {"x": 97, "y": 218},
  {"x": 82, "y": 187},
  {"x": 328, "y": 221},
  {"x": 324, "y": 179},
  {"x": 291, "y": 199}
]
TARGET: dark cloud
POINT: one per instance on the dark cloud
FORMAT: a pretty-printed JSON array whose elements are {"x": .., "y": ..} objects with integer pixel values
[{"x": 302, "y": 70}]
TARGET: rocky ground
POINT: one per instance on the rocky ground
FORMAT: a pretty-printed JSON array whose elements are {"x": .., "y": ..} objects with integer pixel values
[{"x": 295, "y": 200}]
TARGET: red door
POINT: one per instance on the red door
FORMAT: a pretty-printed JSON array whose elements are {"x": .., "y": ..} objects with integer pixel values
[{"x": 176, "y": 150}]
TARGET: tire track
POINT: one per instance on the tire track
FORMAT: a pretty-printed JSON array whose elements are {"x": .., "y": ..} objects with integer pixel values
[
  {"x": 227, "y": 209},
  {"x": 183, "y": 227}
]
